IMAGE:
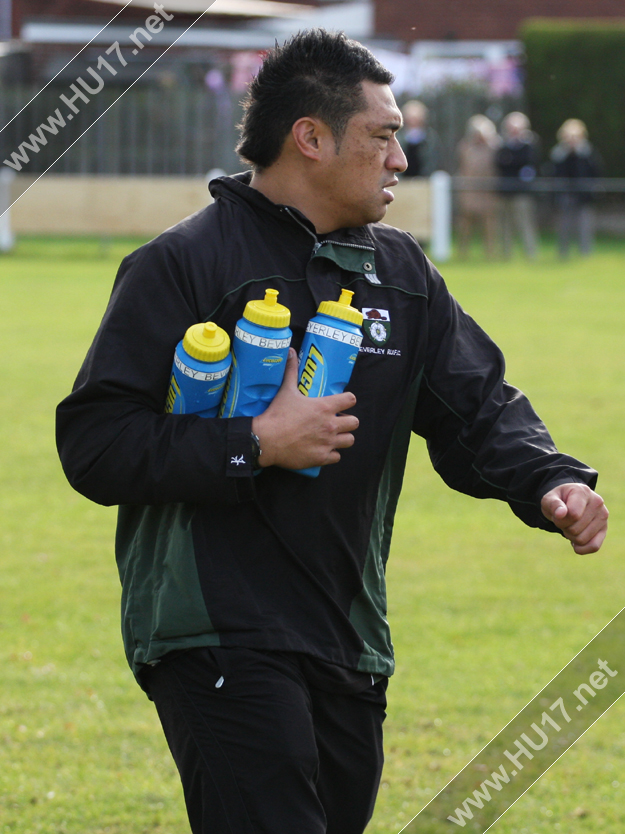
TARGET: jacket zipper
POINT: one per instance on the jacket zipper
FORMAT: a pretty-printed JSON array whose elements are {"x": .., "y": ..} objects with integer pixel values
[
  {"x": 350, "y": 245},
  {"x": 299, "y": 223},
  {"x": 319, "y": 244}
]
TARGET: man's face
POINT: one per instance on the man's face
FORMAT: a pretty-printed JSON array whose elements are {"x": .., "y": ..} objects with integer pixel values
[{"x": 356, "y": 178}]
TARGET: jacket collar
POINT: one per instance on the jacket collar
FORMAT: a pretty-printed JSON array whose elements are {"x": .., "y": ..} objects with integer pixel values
[{"x": 238, "y": 186}]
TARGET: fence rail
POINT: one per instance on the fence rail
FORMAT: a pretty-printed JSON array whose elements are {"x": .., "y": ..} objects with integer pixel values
[{"x": 541, "y": 185}]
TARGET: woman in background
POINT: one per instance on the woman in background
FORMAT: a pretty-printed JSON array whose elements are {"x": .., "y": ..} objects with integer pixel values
[
  {"x": 574, "y": 158},
  {"x": 478, "y": 206},
  {"x": 419, "y": 141},
  {"x": 517, "y": 164}
]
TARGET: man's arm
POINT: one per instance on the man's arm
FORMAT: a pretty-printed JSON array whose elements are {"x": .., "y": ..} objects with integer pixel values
[
  {"x": 116, "y": 444},
  {"x": 579, "y": 513},
  {"x": 483, "y": 436}
]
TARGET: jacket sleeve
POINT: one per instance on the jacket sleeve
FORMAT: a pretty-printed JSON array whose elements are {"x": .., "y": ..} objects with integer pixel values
[
  {"x": 483, "y": 436},
  {"x": 116, "y": 444}
]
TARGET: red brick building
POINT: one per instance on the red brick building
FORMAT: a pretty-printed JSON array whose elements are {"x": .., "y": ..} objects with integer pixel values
[{"x": 478, "y": 19}]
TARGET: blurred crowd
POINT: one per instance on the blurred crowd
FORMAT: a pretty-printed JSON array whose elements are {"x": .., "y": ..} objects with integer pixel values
[{"x": 498, "y": 202}]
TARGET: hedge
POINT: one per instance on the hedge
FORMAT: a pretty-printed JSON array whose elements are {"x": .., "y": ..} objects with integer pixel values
[{"x": 576, "y": 69}]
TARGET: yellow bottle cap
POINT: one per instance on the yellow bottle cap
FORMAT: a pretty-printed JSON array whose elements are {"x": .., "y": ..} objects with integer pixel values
[
  {"x": 206, "y": 342},
  {"x": 268, "y": 312},
  {"x": 341, "y": 309}
]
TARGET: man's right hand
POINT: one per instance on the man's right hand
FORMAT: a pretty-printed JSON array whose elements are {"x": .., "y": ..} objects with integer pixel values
[{"x": 298, "y": 432}]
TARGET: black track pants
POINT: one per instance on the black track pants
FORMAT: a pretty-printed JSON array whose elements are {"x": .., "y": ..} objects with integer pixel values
[{"x": 262, "y": 751}]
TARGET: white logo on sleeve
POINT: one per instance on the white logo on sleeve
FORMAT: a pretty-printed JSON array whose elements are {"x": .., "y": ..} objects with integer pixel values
[{"x": 237, "y": 461}]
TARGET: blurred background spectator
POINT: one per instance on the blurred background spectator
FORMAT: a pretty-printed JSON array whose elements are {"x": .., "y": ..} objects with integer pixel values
[
  {"x": 478, "y": 205},
  {"x": 575, "y": 159},
  {"x": 517, "y": 162},
  {"x": 418, "y": 140}
]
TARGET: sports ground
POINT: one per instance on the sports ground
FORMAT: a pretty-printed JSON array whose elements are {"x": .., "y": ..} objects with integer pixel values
[{"x": 484, "y": 611}]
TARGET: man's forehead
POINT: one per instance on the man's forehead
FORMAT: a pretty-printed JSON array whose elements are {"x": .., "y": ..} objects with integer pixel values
[{"x": 382, "y": 110}]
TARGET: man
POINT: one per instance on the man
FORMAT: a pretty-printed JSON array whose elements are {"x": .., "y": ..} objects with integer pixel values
[{"x": 254, "y": 607}]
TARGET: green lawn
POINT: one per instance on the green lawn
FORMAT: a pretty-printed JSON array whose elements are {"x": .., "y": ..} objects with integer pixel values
[{"x": 484, "y": 610}]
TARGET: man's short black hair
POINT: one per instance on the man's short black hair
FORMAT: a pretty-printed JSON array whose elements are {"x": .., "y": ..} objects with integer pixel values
[{"x": 315, "y": 73}]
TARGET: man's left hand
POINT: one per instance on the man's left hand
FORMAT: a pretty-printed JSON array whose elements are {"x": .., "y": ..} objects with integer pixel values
[{"x": 580, "y": 513}]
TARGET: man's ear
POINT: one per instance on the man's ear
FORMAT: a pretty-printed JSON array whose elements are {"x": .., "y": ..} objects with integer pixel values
[{"x": 311, "y": 137}]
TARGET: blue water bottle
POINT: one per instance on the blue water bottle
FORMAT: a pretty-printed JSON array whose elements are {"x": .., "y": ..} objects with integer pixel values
[
  {"x": 260, "y": 349},
  {"x": 329, "y": 352},
  {"x": 198, "y": 376}
]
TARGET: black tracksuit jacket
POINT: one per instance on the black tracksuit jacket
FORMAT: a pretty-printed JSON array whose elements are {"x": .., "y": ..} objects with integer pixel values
[{"x": 208, "y": 554}]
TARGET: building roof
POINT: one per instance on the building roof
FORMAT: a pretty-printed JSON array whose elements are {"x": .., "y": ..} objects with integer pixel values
[
  {"x": 232, "y": 8},
  {"x": 226, "y": 24}
]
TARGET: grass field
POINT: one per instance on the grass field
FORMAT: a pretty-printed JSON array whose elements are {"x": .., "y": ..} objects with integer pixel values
[{"x": 484, "y": 610}]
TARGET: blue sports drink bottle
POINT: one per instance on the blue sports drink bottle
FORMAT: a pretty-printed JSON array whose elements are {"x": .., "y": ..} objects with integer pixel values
[
  {"x": 198, "y": 376},
  {"x": 260, "y": 349},
  {"x": 329, "y": 352}
]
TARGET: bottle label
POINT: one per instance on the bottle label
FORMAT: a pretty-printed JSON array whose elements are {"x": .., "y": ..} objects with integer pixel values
[
  {"x": 313, "y": 374},
  {"x": 334, "y": 333},
  {"x": 261, "y": 341},
  {"x": 202, "y": 376},
  {"x": 173, "y": 395}
]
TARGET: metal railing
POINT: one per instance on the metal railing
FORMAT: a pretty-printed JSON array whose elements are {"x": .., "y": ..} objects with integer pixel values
[{"x": 541, "y": 185}]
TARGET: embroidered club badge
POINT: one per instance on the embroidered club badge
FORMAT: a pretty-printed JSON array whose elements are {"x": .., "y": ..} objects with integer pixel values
[{"x": 377, "y": 324}]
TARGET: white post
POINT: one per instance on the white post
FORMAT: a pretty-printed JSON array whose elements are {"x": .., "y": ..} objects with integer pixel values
[
  {"x": 7, "y": 238},
  {"x": 440, "y": 244}
]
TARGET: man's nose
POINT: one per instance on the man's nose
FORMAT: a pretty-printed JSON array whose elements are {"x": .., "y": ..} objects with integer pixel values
[{"x": 396, "y": 160}]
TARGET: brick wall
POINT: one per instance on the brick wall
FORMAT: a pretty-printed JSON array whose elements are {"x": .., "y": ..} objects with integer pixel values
[{"x": 478, "y": 19}]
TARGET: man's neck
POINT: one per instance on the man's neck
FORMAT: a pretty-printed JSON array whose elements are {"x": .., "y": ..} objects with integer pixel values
[{"x": 290, "y": 189}]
